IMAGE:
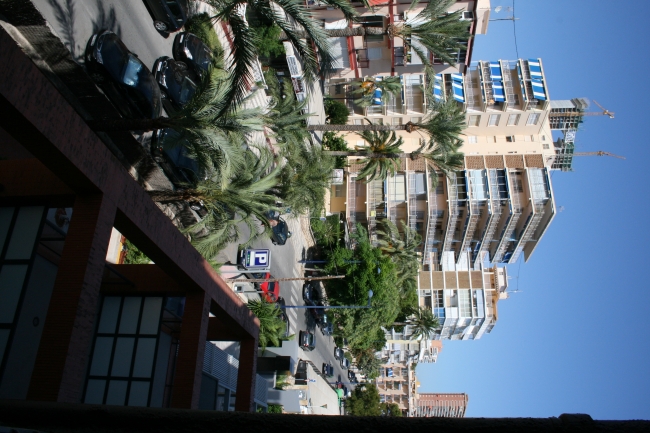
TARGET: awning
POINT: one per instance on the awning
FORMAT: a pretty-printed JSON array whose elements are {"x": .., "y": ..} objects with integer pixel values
[
  {"x": 376, "y": 97},
  {"x": 495, "y": 70},
  {"x": 437, "y": 87},
  {"x": 377, "y": 2},
  {"x": 538, "y": 90},
  {"x": 459, "y": 94},
  {"x": 535, "y": 68},
  {"x": 497, "y": 90},
  {"x": 457, "y": 77}
]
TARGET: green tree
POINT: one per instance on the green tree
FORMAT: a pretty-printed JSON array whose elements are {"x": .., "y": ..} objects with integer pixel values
[
  {"x": 272, "y": 328},
  {"x": 389, "y": 86},
  {"x": 423, "y": 323},
  {"x": 133, "y": 255},
  {"x": 368, "y": 363},
  {"x": 331, "y": 141},
  {"x": 364, "y": 401},
  {"x": 285, "y": 116},
  {"x": 336, "y": 112},
  {"x": 403, "y": 247},
  {"x": 390, "y": 409},
  {"x": 243, "y": 199},
  {"x": 297, "y": 25}
]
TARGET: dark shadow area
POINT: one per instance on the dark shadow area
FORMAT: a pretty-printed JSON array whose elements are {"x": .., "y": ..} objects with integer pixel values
[{"x": 106, "y": 20}]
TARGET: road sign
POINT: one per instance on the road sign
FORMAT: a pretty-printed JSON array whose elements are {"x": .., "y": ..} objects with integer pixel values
[{"x": 259, "y": 260}]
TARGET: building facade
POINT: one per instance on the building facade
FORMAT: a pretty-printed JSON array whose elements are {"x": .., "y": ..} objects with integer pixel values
[{"x": 441, "y": 405}]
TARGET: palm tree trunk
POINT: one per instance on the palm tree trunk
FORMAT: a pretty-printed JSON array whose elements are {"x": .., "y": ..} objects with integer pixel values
[
  {"x": 129, "y": 124},
  {"x": 342, "y": 33},
  {"x": 367, "y": 155},
  {"x": 163, "y": 196},
  {"x": 409, "y": 127}
]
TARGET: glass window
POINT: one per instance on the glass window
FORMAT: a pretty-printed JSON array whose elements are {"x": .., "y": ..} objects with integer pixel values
[
  {"x": 416, "y": 119},
  {"x": 139, "y": 393},
  {"x": 110, "y": 310},
  {"x": 472, "y": 139},
  {"x": 6, "y": 213},
  {"x": 513, "y": 119},
  {"x": 12, "y": 278},
  {"x": 122, "y": 357},
  {"x": 532, "y": 119},
  {"x": 474, "y": 120},
  {"x": 116, "y": 392},
  {"x": 4, "y": 337},
  {"x": 510, "y": 139},
  {"x": 130, "y": 314},
  {"x": 546, "y": 146},
  {"x": 339, "y": 191},
  {"x": 132, "y": 71},
  {"x": 151, "y": 315},
  {"x": 24, "y": 233},
  {"x": 397, "y": 121},
  {"x": 101, "y": 356},
  {"x": 95, "y": 391},
  {"x": 144, "y": 357},
  {"x": 494, "y": 119}
]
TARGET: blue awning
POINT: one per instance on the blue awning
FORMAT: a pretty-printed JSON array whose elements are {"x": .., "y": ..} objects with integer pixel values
[
  {"x": 495, "y": 70},
  {"x": 457, "y": 77},
  {"x": 437, "y": 87},
  {"x": 538, "y": 90},
  {"x": 376, "y": 98},
  {"x": 497, "y": 90},
  {"x": 535, "y": 68},
  {"x": 459, "y": 94}
]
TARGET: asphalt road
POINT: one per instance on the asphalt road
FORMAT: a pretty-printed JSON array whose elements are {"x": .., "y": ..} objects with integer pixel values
[{"x": 75, "y": 21}]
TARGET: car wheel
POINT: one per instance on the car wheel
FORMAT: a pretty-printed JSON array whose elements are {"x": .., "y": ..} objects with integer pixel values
[{"x": 160, "y": 26}]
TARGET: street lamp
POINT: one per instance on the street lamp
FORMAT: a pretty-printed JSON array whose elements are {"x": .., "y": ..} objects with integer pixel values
[{"x": 332, "y": 306}]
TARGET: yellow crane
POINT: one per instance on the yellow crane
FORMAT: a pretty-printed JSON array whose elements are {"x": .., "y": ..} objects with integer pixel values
[
  {"x": 605, "y": 112},
  {"x": 599, "y": 153}
]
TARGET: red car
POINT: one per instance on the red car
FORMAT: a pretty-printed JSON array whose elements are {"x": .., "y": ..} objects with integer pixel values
[{"x": 270, "y": 289}]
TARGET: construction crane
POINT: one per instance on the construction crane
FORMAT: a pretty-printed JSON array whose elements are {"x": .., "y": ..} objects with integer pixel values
[
  {"x": 605, "y": 112},
  {"x": 599, "y": 153},
  {"x": 585, "y": 113}
]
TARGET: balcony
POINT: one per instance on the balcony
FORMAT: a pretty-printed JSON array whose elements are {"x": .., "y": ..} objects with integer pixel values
[
  {"x": 400, "y": 58},
  {"x": 431, "y": 240},
  {"x": 454, "y": 212},
  {"x": 350, "y": 210},
  {"x": 412, "y": 94},
  {"x": 376, "y": 207},
  {"x": 516, "y": 211},
  {"x": 498, "y": 193}
]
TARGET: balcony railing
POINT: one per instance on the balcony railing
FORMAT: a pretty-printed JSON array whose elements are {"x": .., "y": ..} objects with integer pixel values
[
  {"x": 493, "y": 219},
  {"x": 509, "y": 230},
  {"x": 452, "y": 191},
  {"x": 412, "y": 201},
  {"x": 352, "y": 204},
  {"x": 375, "y": 198},
  {"x": 508, "y": 84},
  {"x": 400, "y": 58},
  {"x": 362, "y": 58},
  {"x": 528, "y": 233},
  {"x": 473, "y": 99},
  {"x": 474, "y": 215},
  {"x": 432, "y": 219}
]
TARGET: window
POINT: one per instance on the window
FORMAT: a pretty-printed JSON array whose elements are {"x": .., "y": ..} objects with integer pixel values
[
  {"x": 374, "y": 53},
  {"x": 513, "y": 119},
  {"x": 397, "y": 121},
  {"x": 543, "y": 137},
  {"x": 494, "y": 119},
  {"x": 467, "y": 16},
  {"x": 473, "y": 139},
  {"x": 339, "y": 191},
  {"x": 416, "y": 119},
  {"x": 377, "y": 121},
  {"x": 532, "y": 119},
  {"x": 474, "y": 120},
  {"x": 546, "y": 146},
  {"x": 361, "y": 143},
  {"x": 510, "y": 139},
  {"x": 358, "y": 122}
]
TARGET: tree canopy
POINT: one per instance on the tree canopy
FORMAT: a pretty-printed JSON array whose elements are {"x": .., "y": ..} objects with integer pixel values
[{"x": 364, "y": 401}]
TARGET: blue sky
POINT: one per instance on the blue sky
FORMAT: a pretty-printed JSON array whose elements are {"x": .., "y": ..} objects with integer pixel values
[{"x": 575, "y": 338}]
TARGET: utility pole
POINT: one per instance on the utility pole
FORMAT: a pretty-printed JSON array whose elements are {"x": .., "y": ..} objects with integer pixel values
[{"x": 264, "y": 280}]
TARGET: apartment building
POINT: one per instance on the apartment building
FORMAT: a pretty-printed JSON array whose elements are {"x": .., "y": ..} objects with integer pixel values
[
  {"x": 379, "y": 56},
  {"x": 396, "y": 384},
  {"x": 441, "y": 405}
]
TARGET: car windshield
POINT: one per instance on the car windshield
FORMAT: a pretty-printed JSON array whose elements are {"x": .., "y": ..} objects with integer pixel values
[
  {"x": 132, "y": 71},
  {"x": 174, "y": 8},
  {"x": 187, "y": 90}
]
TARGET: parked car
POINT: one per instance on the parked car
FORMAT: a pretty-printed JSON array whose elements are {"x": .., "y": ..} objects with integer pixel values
[
  {"x": 168, "y": 15},
  {"x": 310, "y": 292},
  {"x": 181, "y": 169},
  {"x": 328, "y": 369},
  {"x": 175, "y": 81},
  {"x": 124, "y": 79},
  {"x": 345, "y": 363},
  {"x": 270, "y": 289},
  {"x": 192, "y": 51},
  {"x": 307, "y": 340},
  {"x": 338, "y": 353},
  {"x": 351, "y": 374},
  {"x": 327, "y": 329},
  {"x": 317, "y": 313}
]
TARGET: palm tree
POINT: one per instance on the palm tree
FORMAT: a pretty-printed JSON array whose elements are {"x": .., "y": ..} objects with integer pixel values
[
  {"x": 403, "y": 248},
  {"x": 284, "y": 115},
  {"x": 433, "y": 29},
  {"x": 383, "y": 154},
  {"x": 272, "y": 328},
  {"x": 443, "y": 123},
  {"x": 389, "y": 86},
  {"x": 242, "y": 200},
  {"x": 422, "y": 322},
  {"x": 297, "y": 25}
]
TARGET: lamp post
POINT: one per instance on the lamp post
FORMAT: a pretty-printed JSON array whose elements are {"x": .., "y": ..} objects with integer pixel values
[{"x": 332, "y": 306}]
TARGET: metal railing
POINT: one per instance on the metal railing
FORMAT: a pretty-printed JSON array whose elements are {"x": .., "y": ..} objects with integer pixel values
[
  {"x": 430, "y": 239},
  {"x": 528, "y": 233},
  {"x": 472, "y": 99},
  {"x": 510, "y": 227},
  {"x": 352, "y": 204},
  {"x": 474, "y": 215},
  {"x": 493, "y": 221},
  {"x": 412, "y": 200},
  {"x": 508, "y": 84},
  {"x": 452, "y": 198},
  {"x": 375, "y": 197}
]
